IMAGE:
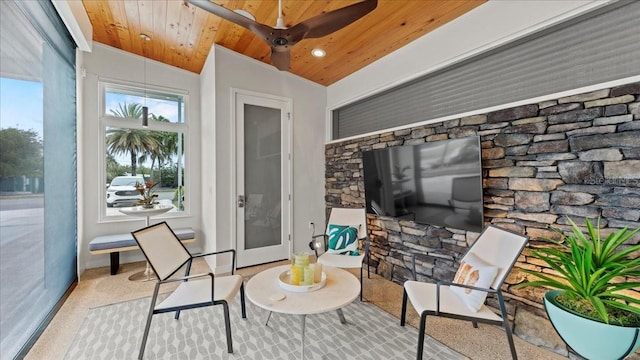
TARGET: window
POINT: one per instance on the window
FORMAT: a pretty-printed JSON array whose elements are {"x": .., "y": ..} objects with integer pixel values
[
  {"x": 145, "y": 155},
  {"x": 37, "y": 171}
]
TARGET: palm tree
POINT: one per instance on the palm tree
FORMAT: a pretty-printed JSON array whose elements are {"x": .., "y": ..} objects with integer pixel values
[
  {"x": 164, "y": 151},
  {"x": 132, "y": 141}
]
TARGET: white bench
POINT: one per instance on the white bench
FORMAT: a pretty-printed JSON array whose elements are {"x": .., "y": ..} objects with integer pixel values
[{"x": 116, "y": 243}]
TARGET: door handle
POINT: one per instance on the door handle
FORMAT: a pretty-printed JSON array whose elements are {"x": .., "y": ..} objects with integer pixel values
[{"x": 240, "y": 201}]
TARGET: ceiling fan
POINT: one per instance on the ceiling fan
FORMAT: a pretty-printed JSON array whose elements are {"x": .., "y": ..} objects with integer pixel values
[{"x": 281, "y": 38}]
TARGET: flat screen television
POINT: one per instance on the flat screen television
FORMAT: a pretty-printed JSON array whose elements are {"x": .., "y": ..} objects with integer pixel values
[{"x": 437, "y": 183}]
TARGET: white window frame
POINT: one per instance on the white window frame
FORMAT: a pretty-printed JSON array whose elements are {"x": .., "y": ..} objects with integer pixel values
[{"x": 106, "y": 120}]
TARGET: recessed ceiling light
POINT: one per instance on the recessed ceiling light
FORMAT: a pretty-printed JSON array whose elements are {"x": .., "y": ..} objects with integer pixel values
[
  {"x": 318, "y": 52},
  {"x": 145, "y": 37}
]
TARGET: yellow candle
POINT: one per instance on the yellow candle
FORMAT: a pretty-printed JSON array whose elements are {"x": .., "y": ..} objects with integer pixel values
[
  {"x": 301, "y": 259},
  {"x": 296, "y": 275},
  {"x": 308, "y": 275},
  {"x": 317, "y": 272}
]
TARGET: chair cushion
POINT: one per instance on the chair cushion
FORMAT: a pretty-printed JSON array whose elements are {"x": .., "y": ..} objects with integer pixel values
[
  {"x": 198, "y": 291},
  {"x": 341, "y": 261},
  {"x": 423, "y": 298},
  {"x": 343, "y": 239},
  {"x": 473, "y": 271}
]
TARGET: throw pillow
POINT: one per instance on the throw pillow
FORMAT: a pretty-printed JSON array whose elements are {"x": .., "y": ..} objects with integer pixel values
[
  {"x": 473, "y": 271},
  {"x": 343, "y": 239}
]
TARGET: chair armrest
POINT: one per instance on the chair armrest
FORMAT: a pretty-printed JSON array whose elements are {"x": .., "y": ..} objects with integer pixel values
[
  {"x": 450, "y": 283},
  {"x": 185, "y": 278},
  {"x": 233, "y": 257}
]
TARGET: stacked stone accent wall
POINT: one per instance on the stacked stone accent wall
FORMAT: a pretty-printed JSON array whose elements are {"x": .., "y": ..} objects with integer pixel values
[{"x": 577, "y": 157}]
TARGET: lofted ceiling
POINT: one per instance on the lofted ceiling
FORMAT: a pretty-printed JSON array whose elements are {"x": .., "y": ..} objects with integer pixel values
[{"x": 182, "y": 35}]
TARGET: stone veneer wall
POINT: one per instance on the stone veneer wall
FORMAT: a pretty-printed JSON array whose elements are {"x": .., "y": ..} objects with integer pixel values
[{"x": 577, "y": 156}]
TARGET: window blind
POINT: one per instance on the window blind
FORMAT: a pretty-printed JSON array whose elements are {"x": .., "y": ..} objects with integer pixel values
[
  {"x": 38, "y": 226},
  {"x": 596, "y": 47}
]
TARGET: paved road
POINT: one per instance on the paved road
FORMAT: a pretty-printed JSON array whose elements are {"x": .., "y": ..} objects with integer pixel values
[
  {"x": 21, "y": 202},
  {"x": 22, "y": 282}
]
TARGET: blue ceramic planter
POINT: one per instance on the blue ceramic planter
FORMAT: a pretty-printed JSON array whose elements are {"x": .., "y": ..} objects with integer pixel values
[{"x": 591, "y": 339}]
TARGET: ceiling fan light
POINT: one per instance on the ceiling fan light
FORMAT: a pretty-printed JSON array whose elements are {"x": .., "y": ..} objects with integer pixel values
[{"x": 318, "y": 53}]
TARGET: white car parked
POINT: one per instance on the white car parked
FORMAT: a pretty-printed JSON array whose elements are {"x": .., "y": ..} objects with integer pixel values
[{"x": 122, "y": 190}]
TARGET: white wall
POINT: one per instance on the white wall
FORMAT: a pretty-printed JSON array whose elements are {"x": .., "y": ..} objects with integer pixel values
[
  {"x": 226, "y": 70},
  {"x": 111, "y": 64},
  {"x": 486, "y": 27}
]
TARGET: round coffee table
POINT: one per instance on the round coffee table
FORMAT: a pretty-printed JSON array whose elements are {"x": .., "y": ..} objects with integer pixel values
[{"x": 341, "y": 288}]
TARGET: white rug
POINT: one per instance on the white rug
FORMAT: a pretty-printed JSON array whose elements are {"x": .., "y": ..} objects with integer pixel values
[{"x": 114, "y": 332}]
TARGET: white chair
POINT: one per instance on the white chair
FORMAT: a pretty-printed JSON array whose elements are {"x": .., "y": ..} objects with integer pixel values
[
  {"x": 344, "y": 216},
  {"x": 483, "y": 270},
  {"x": 166, "y": 255}
]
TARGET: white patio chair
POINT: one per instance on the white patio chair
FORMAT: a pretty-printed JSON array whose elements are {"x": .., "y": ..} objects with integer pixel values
[
  {"x": 166, "y": 255},
  {"x": 482, "y": 270},
  {"x": 356, "y": 218}
]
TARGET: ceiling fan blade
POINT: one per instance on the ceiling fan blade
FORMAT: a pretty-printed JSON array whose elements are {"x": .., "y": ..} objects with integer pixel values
[
  {"x": 332, "y": 21},
  {"x": 281, "y": 58},
  {"x": 230, "y": 15}
]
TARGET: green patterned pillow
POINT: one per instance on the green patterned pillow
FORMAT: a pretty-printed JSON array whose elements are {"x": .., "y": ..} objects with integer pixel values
[{"x": 343, "y": 239}]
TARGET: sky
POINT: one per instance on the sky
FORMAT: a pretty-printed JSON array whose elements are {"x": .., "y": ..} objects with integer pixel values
[
  {"x": 168, "y": 109},
  {"x": 21, "y": 105}
]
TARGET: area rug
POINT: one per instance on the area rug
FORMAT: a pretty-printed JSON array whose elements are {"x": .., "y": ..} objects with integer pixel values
[{"x": 114, "y": 332}]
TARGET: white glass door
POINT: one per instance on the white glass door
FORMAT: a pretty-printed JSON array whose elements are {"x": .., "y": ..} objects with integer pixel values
[{"x": 262, "y": 178}]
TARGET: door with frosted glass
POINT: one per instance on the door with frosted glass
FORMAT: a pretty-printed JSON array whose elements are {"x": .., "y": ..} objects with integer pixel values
[{"x": 262, "y": 180}]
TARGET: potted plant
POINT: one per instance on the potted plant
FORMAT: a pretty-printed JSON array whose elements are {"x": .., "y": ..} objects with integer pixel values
[
  {"x": 588, "y": 306},
  {"x": 148, "y": 200}
]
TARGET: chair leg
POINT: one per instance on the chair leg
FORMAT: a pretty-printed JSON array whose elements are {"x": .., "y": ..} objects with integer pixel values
[
  {"x": 361, "y": 283},
  {"x": 227, "y": 327},
  {"x": 242, "y": 305},
  {"x": 186, "y": 273},
  {"x": 507, "y": 329},
  {"x": 148, "y": 324},
  {"x": 423, "y": 325},
  {"x": 403, "y": 314},
  {"x": 512, "y": 346},
  {"x": 368, "y": 266}
]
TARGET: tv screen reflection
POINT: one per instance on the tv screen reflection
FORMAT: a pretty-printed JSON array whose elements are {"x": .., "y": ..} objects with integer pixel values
[{"x": 437, "y": 183}]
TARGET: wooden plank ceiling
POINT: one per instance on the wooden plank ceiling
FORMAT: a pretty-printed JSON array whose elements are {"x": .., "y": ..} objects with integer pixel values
[{"x": 182, "y": 35}]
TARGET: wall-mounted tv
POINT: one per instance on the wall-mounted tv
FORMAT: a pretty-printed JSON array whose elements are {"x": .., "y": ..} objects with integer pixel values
[{"x": 437, "y": 183}]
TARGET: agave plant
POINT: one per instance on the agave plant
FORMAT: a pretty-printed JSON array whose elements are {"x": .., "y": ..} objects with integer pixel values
[{"x": 590, "y": 269}]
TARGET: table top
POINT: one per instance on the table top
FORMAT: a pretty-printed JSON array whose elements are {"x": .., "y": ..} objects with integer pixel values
[
  {"x": 142, "y": 212},
  {"x": 263, "y": 289}
]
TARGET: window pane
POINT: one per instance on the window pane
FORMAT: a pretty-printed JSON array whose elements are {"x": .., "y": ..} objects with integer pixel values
[
  {"x": 127, "y": 102},
  {"x": 37, "y": 169},
  {"x": 141, "y": 155}
]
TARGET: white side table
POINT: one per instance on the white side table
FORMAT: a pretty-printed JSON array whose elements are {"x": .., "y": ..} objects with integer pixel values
[
  {"x": 341, "y": 288},
  {"x": 138, "y": 211}
]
